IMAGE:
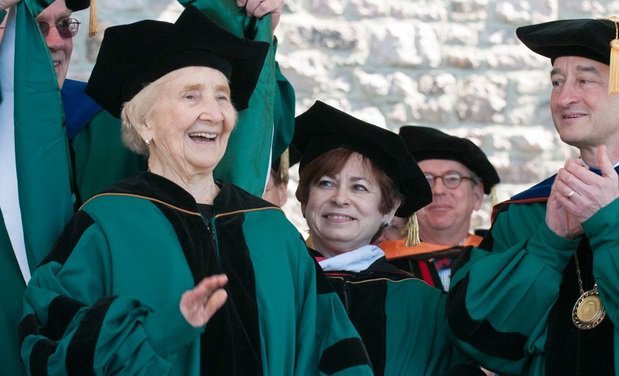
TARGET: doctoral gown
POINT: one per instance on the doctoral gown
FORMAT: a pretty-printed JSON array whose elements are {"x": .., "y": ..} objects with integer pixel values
[
  {"x": 98, "y": 159},
  {"x": 428, "y": 261},
  {"x": 98, "y": 155},
  {"x": 400, "y": 319},
  {"x": 511, "y": 300},
  {"x": 106, "y": 300}
]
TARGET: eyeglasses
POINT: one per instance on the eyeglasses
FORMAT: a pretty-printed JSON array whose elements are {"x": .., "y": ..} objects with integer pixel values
[
  {"x": 67, "y": 28},
  {"x": 451, "y": 179}
]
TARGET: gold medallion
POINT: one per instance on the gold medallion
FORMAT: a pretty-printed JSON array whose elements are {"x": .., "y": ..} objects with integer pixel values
[{"x": 588, "y": 312}]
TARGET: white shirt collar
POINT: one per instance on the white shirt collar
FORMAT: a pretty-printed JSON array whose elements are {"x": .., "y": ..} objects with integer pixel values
[{"x": 353, "y": 261}]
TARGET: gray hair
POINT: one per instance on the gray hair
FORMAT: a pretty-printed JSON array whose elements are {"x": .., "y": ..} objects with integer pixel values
[{"x": 137, "y": 111}]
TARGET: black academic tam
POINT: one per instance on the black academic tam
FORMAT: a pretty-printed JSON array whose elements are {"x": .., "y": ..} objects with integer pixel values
[
  {"x": 134, "y": 55},
  {"x": 322, "y": 128}
]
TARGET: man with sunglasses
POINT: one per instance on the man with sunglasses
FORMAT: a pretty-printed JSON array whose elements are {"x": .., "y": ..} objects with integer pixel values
[
  {"x": 57, "y": 28},
  {"x": 56, "y": 16},
  {"x": 459, "y": 174}
]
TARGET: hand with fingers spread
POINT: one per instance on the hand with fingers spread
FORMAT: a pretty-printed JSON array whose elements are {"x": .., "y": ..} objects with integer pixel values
[
  {"x": 199, "y": 304},
  {"x": 260, "y": 8}
]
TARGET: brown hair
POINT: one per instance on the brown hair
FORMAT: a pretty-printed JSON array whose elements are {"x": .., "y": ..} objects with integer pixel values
[{"x": 332, "y": 162}]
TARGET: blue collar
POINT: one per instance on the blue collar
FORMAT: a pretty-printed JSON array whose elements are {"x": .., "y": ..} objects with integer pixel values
[
  {"x": 79, "y": 108},
  {"x": 542, "y": 190}
]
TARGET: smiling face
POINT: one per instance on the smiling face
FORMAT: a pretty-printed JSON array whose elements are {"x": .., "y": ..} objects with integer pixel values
[
  {"x": 59, "y": 47},
  {"x": 583, "y": 112},
  {"x": 190, "y": 124},
  {"x": 447, "y": 218},
  {"x": 343, "y": 208}
]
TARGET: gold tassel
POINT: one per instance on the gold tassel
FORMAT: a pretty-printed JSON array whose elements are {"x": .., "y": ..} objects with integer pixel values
[
  {"x": 613, "y": 80},
  {"x": 412, "y": 231},
  {"x": 93, "y": 25},
  {"x": 284, "y": 166}
]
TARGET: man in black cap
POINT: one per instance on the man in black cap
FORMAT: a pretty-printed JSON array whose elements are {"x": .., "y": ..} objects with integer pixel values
[
  {"x": 541, "y": 294},
  {"x": 459, "y": 174}
]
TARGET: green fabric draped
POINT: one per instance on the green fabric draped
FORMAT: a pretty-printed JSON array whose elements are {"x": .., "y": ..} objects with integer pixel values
[
  {"x": 267, "y": 126},
  {"x": 42, "y": 157}
]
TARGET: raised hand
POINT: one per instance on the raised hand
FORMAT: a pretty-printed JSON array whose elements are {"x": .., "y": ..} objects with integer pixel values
[
  {"x": 579, "y": 193},
  {"x": 585, "y": 192},
  {"x": 199, "y": 304},
  {"x": 260, "y": 8}
]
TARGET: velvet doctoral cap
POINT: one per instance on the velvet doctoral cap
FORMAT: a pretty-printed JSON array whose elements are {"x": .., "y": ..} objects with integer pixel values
[
  {"x": 76, "y": 5},
  {"x": 429, "y": 143},
  {"x": 134, "y": 55},
  {"x": 588, "y": 38},
  {"x": 322, "y": 128}
]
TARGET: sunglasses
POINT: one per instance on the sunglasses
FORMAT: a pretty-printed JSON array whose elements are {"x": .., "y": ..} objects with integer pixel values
[{"x": 67, "y": 28}]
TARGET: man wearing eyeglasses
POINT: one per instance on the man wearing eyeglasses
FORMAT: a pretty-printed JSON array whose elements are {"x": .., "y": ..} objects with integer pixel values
[
  {"x": 34, "y": 183},
  {"x": 98, "y": 157},
  {"x": 459, "y": 174},
  {"x": 58, "y": 29}
]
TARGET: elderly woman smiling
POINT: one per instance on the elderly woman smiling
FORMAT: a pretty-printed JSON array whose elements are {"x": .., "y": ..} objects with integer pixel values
[
  {"x": 352, "y": 178},
  {"x": 144, "y": 266}
]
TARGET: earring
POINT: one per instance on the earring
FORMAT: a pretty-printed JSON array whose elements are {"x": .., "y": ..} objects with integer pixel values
[{"x": 147, "y": 142}]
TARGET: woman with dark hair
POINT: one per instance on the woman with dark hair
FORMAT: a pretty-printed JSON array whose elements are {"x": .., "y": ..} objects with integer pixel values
[{"x": 352, "y": 178}]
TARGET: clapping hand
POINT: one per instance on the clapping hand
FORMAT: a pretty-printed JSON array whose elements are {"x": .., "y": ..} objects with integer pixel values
[{"x": 578, "y": 193}]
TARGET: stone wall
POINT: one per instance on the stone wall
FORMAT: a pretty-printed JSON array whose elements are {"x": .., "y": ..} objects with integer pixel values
[{"x": 452, "y": 64}]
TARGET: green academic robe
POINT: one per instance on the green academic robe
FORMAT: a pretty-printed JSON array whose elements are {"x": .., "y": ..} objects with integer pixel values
[
  {"x": 106, "y": 300},
  {"x": 100, "y": 158},
  {"x": 401, "y": 321},
  {"x": 511, "y": 300},
  {"x": 12, "y": 287}
]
